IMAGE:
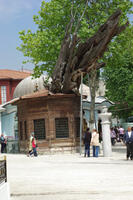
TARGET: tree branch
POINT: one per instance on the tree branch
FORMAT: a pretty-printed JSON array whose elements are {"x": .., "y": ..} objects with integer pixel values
[{"x": 79, "y": 20}]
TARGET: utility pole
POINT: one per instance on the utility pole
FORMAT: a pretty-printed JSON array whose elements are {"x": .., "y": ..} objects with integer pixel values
[{"x": 81, "y": 113}]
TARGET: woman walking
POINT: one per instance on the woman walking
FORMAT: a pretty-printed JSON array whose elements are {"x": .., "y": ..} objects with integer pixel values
[
  {"x": 95, "y": 142},
  {"x": 113, "y": 136},
  {"x": 30, "y": 149},
  {"x": 32, "y": 145}
]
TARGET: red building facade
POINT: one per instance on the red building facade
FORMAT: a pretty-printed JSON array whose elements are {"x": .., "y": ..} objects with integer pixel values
[{"x": 9, "y": 79}]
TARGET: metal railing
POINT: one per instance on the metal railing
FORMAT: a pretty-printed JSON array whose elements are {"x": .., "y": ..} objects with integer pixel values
[{"x": 3, "y": 170}]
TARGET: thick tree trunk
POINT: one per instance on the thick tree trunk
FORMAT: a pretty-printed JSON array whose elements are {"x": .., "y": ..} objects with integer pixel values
[
  {"x": 76, "y": 57},
  {"x": 92, "y": 86}
]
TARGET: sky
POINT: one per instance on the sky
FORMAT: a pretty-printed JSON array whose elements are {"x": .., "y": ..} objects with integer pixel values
[{"x": 15, "y": 15}]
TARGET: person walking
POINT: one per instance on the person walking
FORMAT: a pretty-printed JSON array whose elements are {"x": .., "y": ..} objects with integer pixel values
[
  {"x": 3, "y": 143},
  {"x": 87, "y": 140},
  {"x": 95, "y": 142},
  {"x": 121, "y": 133},
  {"x": 30, "y": 144},
  {"x": 113, "y": 136},
  {"x": 34, "y": 145},
  {"x": 128, "y": 140},
  {"x": 117, "y": 133}
]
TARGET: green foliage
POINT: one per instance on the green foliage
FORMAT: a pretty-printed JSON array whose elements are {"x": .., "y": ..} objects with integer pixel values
[
  {"x": 129, "y": 97},
  {"x": 42, "y": 47},
  {"x": 118, "y": 73}
]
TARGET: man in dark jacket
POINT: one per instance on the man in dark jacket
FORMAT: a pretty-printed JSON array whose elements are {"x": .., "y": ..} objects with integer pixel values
[
  {"x": 87, "y": 140},
  {"x": 128, "y": 139}
]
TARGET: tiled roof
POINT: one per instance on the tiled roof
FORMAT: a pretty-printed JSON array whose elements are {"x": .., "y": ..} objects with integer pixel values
[
  {"x": 42, "y": 93},
  {"x": 12, "y": 74}
]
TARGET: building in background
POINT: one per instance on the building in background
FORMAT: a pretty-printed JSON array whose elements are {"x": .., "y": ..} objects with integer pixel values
[
  {"x": 9, "y": 79},
  {"x": 9, "y": 126}
]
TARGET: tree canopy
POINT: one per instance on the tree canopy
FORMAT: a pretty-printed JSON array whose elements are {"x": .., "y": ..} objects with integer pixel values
[{"x": 42, "y": 47}]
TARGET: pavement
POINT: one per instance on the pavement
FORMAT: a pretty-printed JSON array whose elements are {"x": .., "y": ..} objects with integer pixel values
[{"x": 71, "y": 176}]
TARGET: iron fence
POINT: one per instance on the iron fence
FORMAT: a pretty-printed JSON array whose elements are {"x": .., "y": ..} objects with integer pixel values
[{"x": 3, "y": 170}]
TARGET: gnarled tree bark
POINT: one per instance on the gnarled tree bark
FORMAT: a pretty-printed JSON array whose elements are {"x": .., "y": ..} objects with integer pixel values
[{"x": 76, "y": 57}]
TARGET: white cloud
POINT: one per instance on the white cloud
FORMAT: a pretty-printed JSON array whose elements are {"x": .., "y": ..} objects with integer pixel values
[{"x": 10, "y": 9}]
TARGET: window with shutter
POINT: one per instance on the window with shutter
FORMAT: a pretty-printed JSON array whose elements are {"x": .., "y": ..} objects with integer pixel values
[
  {"x": 61, "y": 127},
  {"x": 39, "y": 129}
]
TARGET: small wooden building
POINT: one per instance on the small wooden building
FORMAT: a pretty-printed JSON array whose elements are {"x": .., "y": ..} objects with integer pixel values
[{"x": 54, "y": 118}]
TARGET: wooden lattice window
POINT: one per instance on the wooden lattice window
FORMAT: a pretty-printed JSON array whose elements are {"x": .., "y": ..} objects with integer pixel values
[
  {"x": 39, "y": 129},
  {"x": 77, "y": 126},
  {"x": 61, "y": 127}
]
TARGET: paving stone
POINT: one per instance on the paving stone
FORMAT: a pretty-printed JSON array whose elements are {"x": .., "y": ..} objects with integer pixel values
[{"x": 71, "y": 176}]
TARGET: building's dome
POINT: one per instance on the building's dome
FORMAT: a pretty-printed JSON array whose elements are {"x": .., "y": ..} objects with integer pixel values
[{"x": 29, "y": 85}]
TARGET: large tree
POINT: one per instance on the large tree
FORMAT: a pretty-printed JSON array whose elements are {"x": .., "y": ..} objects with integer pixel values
[{"x": 80, "y": 19}]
